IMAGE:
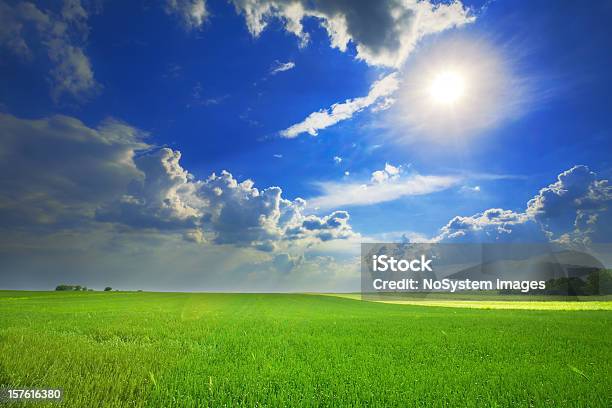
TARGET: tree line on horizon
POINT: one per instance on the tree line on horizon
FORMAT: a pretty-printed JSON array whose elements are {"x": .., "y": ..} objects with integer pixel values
[
  {"x": 597, "y": 282},
  {"x": 78, "y": 288}
]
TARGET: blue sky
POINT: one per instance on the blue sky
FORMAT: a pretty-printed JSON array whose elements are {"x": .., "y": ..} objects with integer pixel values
[{"x": 209, "y": 80}]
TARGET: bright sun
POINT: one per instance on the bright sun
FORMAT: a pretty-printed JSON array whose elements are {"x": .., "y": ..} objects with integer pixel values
[{"x": 447, "y": 87}]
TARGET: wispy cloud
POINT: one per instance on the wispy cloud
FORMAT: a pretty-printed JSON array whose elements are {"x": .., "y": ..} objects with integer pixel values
[
  {"x": 392, "y": 183},
  {"x": 198, "y": 97},
  {"x": 64, "y": 37},
  {"x": 384, "y": 185},
  {"x": 281, "y": 67},
  {"x": 193, "y": 13},
  {"x": 344, "y": 110}
]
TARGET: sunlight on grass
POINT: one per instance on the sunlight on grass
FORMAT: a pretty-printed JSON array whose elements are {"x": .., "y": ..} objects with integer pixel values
[
  {"x": 209, "y": 350},
  {"x": 492, "y": 304}
]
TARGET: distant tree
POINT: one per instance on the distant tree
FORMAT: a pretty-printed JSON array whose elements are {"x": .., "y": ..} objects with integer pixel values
[
  {"x": 108, "y": 289},
  {"x": 565, "y": 286},
  {"x": 599, "y": 282},
  {"x": 84, "y": 288},
  {"x": 70, "y": 287}
]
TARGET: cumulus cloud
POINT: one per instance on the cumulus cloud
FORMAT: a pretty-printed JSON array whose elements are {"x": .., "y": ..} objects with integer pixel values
[
  {"x": 384, "y": 185},
  {"x": 241, "y": 214},
  {"x": 162, "y": 197},
  {"x": 63, "y": 33},
  {"x": 343, "y": 111},
  {"x": 77, "y": 177},
  {"x": 383, "y": 32},
  {"x": 576, "y": 208},
  {"x": 281, "y": 67},
  {"x": 230, "y": 212},
  {"x": 492, "y": 225},
  {"x": 193, "y": 13}
]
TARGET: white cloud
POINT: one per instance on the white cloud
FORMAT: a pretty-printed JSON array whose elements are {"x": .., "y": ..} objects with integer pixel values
[
  {"x": 470, "y": 189},
  {"x": 384, "y": 185},
  {"x": 383, "y": 32},
  {"x": 161, "y": 197},
  {"x": 342, "y": 111},
  {"x": 337, "y": 159},
  {"x": 281, "y": 67},
  {"x": 492, "y": 225},
  {"x": 166, "y": 196},
  {"x": 193, "y": 13},
  {"x": 63, "y": 34},
  {"x": 576, "y": 208},
  {"x": 241, "y": 214},
  {"x": 392, "y": 170},
  {"x": 384, "y": 104},
  {"x": 76, "y": 177}
]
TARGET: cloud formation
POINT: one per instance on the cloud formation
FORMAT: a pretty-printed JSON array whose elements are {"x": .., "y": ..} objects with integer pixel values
[
  {"x": 56, "y": 170},
  {"x": 63, "y": 34},
  {"x": 492, "y": 225},
  {"x": 281, "y": 67},
  {"x": 75, "y": 177},
  {"x": 384, "y": 185},
  {"x": 343, "y": 111},
  {"x": 383, "y": 32},
  {"x": 576, "y": 208},
  {"x": 161, "y": 197},
  {"x": 227, "y": 211},
  {"x": 193, "y": 13}
]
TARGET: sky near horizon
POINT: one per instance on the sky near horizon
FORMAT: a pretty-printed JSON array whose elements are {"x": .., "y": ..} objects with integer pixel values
[{"x": 254, "y": 144}]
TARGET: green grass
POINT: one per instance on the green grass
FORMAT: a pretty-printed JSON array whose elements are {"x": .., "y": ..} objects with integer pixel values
[
  {"x": 491, "y": 302},
  {"x": 189, "y": 350}
]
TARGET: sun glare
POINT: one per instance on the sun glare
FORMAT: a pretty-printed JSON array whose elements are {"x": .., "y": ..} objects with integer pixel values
[{"x": 447, "y": 87}]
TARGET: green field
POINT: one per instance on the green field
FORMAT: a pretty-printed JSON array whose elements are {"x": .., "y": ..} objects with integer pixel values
[{"x": 188, "y": 350}]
